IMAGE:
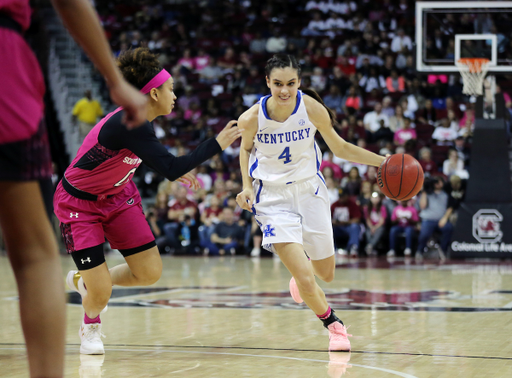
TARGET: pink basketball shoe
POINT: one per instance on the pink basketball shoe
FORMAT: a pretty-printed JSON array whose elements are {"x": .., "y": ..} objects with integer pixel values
[
  {"x": 294, "y": 291},
  {"x": 338, "y": 338}
]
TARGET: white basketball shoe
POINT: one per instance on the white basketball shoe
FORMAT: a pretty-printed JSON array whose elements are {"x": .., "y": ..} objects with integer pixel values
[{"x": 90, "y": 336}]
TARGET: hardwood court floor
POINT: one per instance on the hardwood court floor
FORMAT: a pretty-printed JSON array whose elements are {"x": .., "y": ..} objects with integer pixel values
[{"x": 233, "y": 317}]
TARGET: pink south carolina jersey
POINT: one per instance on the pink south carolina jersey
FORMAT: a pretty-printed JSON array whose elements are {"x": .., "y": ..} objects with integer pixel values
[
  {"x": 284, "y": 152},
  {"x": 98, "y": 170}
]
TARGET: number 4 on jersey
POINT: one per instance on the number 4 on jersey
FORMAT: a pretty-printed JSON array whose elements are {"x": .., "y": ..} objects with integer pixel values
[{"x": 286, "y": 155}]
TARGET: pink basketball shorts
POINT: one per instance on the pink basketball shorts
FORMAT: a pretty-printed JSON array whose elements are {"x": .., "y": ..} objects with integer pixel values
[{"x": 120, "y": 219}]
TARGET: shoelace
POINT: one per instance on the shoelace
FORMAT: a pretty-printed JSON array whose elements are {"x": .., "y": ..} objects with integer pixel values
[
  {"x": 344, "y": 332},
  {"x": 93, "y": 333}
]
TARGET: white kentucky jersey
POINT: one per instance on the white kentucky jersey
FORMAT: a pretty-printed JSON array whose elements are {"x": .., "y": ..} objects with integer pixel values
[{"x": 284, "y": 152}]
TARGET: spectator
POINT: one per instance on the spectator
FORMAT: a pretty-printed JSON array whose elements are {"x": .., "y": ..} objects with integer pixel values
[
  {"x": 405, "y": 134},
  {"x": 395, "y": 83},
  {"x": 452, "y": 118},
  {"x": 456, "y": 189},
  {"x": 202, "y": 174},
  {"x": 86, "y": 111},
  {"x": 462, "y": 150},
  {"x": 365, "y": 195},
  {"x": 427, "y": 115},
  {"x": 468, "y": 118},
  {"x": 466, "y": 130},
  {"x": 182, "y": 212},
  {"x": 211, "y": 73},
  {"x": 201, "y": 60},
  {"x": 397, "y": 121},
  {"x": 210, "y": 217},
  {"x": 188, "y": 98},
  {"x": 383, "y": 133},
  {"x": 401, "y": 41},
  {"x": 427, "y": 164},
  {"x": 345, "y": 219},
  {"x": 228, "y": 61},
  {"x": 352, "y": 182},
  {"x": 372, "y": 81},
  {"x": 194, "y": 113},
  {"x": 454, "y": 165},
  {"x": 372, "y": 119},
  {"x": 186, "y": 61},
  {"x": 316, "y": 27},
  {"x": 409, "y": 106},
  {"x": 276, "y": 44},
  {"x": 236, "y": 83},
  {"x": 226, "y": 236},
  {"x": 318, "y": 80},
  {"x": 435, "y": 215},
  {"x": 333, "y": 99},
  {"x": 387, "y": 107},
  {"x": 332, "y": 189},
  {"x": 328, "y": 161},
  {"x": 258, "y": 44},
  {"x": 345, "y": 66},
  {"x": 375, "y": 214},
  {"x": 444, "y": 134},
  {"x": 404, "y": 219},
  {"x": 353, "y": 101}
]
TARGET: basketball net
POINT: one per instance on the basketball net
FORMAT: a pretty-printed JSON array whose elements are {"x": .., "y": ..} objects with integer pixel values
[{"x": 473, "y": 71}]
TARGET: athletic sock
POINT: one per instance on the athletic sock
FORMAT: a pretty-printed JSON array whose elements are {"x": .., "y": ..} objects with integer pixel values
[
  {"x": 88, "y": 320},
  {"x": 328, "y": 318}
]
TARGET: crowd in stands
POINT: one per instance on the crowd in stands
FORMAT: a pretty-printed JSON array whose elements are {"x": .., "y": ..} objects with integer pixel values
[{"x": 358, "y": 56}]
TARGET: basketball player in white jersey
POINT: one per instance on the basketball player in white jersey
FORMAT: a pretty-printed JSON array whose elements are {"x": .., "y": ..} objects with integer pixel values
[{"x": 283, "y": 187}]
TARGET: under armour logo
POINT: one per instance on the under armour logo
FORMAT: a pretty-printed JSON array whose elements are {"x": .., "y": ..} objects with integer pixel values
[
  {"x": 71, "y": 215},
  {"x": 86, "y": 260},
  {"x": 268, "y": 231},
  {"x": 130, "y": 201},
  {"x": 302, "y": 122}
]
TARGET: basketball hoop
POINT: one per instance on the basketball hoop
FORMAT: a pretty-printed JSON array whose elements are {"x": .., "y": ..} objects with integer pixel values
[{"x": 473, "y": 71}]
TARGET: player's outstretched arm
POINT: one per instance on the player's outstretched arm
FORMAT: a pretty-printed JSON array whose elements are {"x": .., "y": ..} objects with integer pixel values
[
  {"x": 81, "y": 20},
  {"x": 320, "y": 118},
  {"x": 248, "y": 121}
]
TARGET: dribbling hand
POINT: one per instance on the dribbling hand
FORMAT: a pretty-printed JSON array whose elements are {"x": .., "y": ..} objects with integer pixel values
[
  {"x": 189, "y": 180},
  {"x": 245, "y": 199},
  {"x": 133, "y": 102},
  {"x": 228, "y": 135}
]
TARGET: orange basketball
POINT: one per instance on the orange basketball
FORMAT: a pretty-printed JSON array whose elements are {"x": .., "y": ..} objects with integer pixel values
[{"x": 400, "y": 177}]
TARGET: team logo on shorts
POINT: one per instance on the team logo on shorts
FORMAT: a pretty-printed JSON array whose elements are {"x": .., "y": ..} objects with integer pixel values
[
  {"x": 130, "y": 201},
  {"x": 302, "y": 122},
  {"x": 75, "y": 215},
  {"x": 268, "y": 231}
]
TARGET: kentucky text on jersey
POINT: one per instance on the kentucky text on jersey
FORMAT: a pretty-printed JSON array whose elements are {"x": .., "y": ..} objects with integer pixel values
[{"x": 284, "y": 137}]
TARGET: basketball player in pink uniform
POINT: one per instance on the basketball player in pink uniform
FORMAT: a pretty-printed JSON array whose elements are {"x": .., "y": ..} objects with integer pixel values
[
  {"x": 25, "y": 171},
  {"x": 97, "y": 197}
]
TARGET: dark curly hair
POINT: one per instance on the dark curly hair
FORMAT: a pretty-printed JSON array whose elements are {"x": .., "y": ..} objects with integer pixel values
[{"x": 138, "y": 66}]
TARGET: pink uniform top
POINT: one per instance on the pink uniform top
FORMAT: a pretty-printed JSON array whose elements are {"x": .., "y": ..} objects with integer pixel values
[
  {"x": 98, "y": 170},
  {"x": 21, "y": 97},
  {"x": 110, "y": 154},
  {"x": 18, "y": 10}
]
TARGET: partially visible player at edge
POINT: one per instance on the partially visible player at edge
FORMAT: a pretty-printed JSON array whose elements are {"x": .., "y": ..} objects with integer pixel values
[
  {"x": 97, "y": 197},
  {"x": 25, "y": 171},
  {"x": 283, "y": 187}
]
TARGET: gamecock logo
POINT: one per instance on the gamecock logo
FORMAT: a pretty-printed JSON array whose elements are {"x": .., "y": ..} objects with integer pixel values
[{"x": 487, "y": 226}]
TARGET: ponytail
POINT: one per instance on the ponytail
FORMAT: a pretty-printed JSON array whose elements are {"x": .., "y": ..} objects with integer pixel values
[
  {"x": 285, "y": 60},
  {"x": 312, "y": 93}
]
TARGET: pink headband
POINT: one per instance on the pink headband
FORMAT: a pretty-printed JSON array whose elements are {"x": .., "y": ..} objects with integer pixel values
[{"x": 155, "y": 82}]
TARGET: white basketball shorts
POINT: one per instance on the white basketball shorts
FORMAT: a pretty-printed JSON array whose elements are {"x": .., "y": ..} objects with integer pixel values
[{"x": 299, "y": 212}]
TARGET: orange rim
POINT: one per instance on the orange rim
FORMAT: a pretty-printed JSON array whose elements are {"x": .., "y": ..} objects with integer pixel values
[{"x": 474, "y": 64}]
